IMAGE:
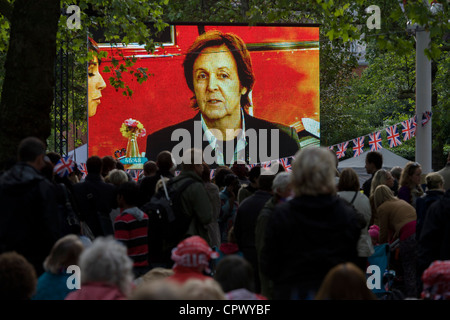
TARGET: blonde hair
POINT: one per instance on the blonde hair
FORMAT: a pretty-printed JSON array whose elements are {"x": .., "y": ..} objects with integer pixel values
[
  {"x": 207, "y": 289},
  {"x": 65, "y": 252},
  {"x": 116, "y": 177},
  {"x": 157, "y": 289},
  {"x": 382, "y": 194},
  {"x": 407, "y": 173},
  {"x": 434, "y": 181},
  {"x": 156, "y": 274},
  {"x": 380, "y": 177},
  {"x": 313, "y": 172}
]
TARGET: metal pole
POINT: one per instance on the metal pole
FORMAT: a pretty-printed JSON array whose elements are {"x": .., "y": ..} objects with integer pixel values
[{"x": 423, "y": 101}]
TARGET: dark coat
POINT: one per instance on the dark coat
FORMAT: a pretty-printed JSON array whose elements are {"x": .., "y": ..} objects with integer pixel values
[
  {"x": 422, "y": 205},
  {"x": 288, "y": 137},
  {"x": 244, "y": 229},
  {"x": 148, "y": 184},
  {"x": 305, "y": 237},
  {"x": 434, "y": 241},
  {"x": 29, "y": 219},
  {"x": 96, "y": 199},
  {"x": 246, "y": 217}
]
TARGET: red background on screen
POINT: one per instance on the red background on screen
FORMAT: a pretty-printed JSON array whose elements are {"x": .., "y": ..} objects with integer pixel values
[{"x": 286, "y": 87}]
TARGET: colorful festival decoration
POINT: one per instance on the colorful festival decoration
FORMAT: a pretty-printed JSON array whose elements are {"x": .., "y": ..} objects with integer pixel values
[
  {"x": 342, "y": 147},
  {"x": 375, "y": 141},
  {"x": 358, "y": 145},
  {"x": 393, "y": 136}
]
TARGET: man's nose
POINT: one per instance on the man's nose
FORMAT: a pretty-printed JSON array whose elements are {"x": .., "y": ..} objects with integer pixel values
[{"x": 213, "y": 82}]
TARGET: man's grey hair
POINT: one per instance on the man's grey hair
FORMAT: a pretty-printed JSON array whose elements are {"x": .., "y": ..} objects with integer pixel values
[
  {"x": 281, "y": 182},
  {"x": 313, "y": 172}
]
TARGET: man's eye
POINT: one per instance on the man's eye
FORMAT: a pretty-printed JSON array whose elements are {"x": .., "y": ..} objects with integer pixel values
[
  {"x": 224, "y": 76},
  {"x": 201, "y": 76}
]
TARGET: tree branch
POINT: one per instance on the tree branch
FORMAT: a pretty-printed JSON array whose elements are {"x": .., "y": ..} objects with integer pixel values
[{"x": 6, "y": 9}]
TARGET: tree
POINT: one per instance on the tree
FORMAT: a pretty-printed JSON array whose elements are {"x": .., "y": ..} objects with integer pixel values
[
  {"x": 27, "y": 88},
  {"x": 27, "y": 92}
]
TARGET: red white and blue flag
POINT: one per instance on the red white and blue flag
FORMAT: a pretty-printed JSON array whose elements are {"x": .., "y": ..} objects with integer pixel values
[
  {"x": 266, "y": 164},
  {"x": 414, "y": 121},
  {"x": 393, "y": 136},
  {"x": 375, "y": 141},
  {"x": 286, "y": 163},
  {"x": 342, "y": 147},
  {"x": 409, "y": 129},
  {"x": 83, "y": 170},
  {"x": 426, "y": 117},
  {"x": 358, "y": 145},
  {"x": 64, "y": 166},
  {"x": 135, "y": 173},
  {"x": 212, "y": 173}
]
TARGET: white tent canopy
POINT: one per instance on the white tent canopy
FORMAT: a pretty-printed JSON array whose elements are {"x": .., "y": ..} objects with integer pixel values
[
  {"x": 79, "y": 154},
  {"x": 390, "y": 160}
]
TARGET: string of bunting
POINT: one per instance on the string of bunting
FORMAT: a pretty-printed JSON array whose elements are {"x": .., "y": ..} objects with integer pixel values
[{"x": 394, "y": 134}]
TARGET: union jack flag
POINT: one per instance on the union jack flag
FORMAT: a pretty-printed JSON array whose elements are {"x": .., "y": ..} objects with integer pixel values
[
  {"x": 414, "y": 121},
  {"x": 212, "y": 173},
  {"x": 83, "y": 169},
  {"x": 375, "y": 141},
  {"x": 409, "y": 129},
  {"x": 266, "y": 164},
  {"x": 64, "y": 166},
  {"x": 393, "y": 136},
  {"x": 135, "y": 174},
  {"x": 358, "y": 145},
  {"x": 342, "y": 147},
  {"x": 426, "y": 117},
  {"x": 251, "y": 165},
  {"x": 286, "y": 164}
]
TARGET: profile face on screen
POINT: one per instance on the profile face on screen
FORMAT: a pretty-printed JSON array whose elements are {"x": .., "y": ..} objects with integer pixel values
[{"x": 96, "y": 84}]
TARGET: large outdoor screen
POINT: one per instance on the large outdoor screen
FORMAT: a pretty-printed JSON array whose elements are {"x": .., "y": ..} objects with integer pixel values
[{"x": 263, "y": 80}]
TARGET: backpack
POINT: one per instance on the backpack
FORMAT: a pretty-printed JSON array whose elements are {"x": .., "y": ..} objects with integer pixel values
[
  {"x": 359, "y": 216},
  {"x": 167, "y": 223}
]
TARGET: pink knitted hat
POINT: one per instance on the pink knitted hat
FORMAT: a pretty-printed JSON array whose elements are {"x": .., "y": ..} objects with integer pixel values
[{"x": 374, "y": 231}]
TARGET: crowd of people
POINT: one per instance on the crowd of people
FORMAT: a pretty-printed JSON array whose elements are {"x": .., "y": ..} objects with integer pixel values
[{"x": 304, "y": 234}]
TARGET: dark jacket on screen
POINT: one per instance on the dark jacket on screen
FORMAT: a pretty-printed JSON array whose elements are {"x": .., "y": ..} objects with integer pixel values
[{"x": 288, "y": 137}]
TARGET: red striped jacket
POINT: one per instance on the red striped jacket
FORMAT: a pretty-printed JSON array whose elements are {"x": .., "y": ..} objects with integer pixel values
[{"x": 131, "y": 228}]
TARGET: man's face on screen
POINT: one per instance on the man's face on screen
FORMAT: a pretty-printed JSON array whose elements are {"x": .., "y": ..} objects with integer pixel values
[{"x": 216, "y": 83}]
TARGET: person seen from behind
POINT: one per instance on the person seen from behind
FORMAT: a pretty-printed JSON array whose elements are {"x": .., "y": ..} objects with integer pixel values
[{"x": 310, "y": 234}]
